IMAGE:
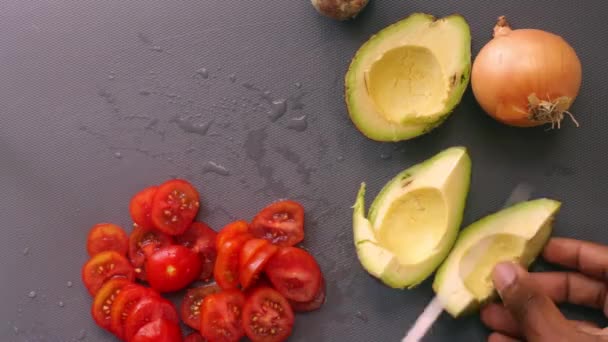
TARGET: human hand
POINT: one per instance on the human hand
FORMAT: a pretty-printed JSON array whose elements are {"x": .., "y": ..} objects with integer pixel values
[{"x": 529, "y": 311}]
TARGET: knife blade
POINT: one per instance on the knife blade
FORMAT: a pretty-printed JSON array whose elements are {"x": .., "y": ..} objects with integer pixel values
[{"x": 433, "y": 310}]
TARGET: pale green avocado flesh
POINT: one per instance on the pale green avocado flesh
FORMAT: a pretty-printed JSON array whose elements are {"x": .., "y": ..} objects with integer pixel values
[
  {"x": 413, "y": 222},
  {"x": 406, "y": 79},
  {"x": 518, "y": 234}
]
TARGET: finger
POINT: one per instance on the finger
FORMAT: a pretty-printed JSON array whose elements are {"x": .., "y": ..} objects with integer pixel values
[
  {"x": 535, "y": 313},
  {"x": 498, "y": 337},
  {"x": 496, "y": 317},
  {"x": 587, "y": 257},
  {"x": 573, "y": 288}
]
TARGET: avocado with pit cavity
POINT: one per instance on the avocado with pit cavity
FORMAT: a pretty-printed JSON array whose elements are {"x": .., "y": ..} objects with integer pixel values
[
  {"x": 414, "y": 220},
  {"x": 406, "y": 79},
  {"x": 518, "y": 233}
]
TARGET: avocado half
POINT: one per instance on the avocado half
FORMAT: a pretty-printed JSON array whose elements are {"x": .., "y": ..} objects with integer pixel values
[
  {"x": 414, "y": 220},
  {"x": 518, "y": 233},
  {"x": 406, "y": 79}
]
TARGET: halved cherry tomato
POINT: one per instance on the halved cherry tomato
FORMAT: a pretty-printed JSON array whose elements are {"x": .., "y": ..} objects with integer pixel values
[
  {"x": 267, "y": 316},
  {"x": 314, "y": 304},
  {"x": 103, "y": 267},
  {"x": 230, "y": 231},
  {"x": 191, "y": 305},
  {"x": 281, "y": 223},
  {"x": 226, "y": 269},
  {"x": 107, "y": 237},
  {"x": 294, "y": 273},
  {"x": 160, "y": 330},
  {"x": 174, "y": 206},
  {"x": 201, "y": 239},
  {"x": 102, "y": 304},
  {"x": 124, "y": 303},
  {"x": 144, "y": 240},
  {"x": 195, "y": 337},
  {"x": 221, "y": 316},
  {"x": 140, "y": 207},
  {"x": 254, "y": 256},
  {"x": 148, "y": 310},
  {"x": 172, "y": 268}
]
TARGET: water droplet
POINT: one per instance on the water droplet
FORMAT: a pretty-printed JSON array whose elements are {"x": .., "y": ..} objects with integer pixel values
[
  {"x": 61, "y": 304},
  {"x": 212, "y": 167},
  {"x": 16, "y": 330},
  {"x": 69, "y": 284},
  {"x": 26, "y": 251},
  {"x": 340, "y": 158},
  {"x": 278, "y": 108},
  {"x": 203, "y": 72},
  {"x": 117, "y": 155},
  {"x": 156, "y": 48},
  {"x": 232, "y": 78},
  {"x": 363, "y": 317},
  {"x": 111, "y": 77},
  {"x": 298, "y": 85},
  {"x": 82, "y": 335},
  {"x": 32, "y": 294},
  {"x": 191, "y": 127},
  {"x": 144, "y": 92},
  {"x": 298, "y": 124},
  {"x": 385, "y": 156},
  {"x": 190, "y": 150}
]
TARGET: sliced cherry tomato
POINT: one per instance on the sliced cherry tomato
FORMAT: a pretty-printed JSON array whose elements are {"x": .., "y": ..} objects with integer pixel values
[
  {"x": 191, "y": 305},
  {"x": 294, "y": 273},
  {"x": 221, "y": 316},
  {"x": 230, "y": 231},
  {"x": 314, "y": 304},
  {"x": 107, "y": 237},
  {"x": 103, "y": 267},
  {"x": 281, "y": 223},
  {"x": 144, "y": 241},
  {"x": 201, "y": 239},
  {"x": 148, "y": 310},
  {"x": 160, "y": 330},
  {"x": 104, "y": 299},
  {"x": 254, "y": 256},
  {"x": 172, "y": 268},
  {"x": 124, "y": 303},
  {"x": 195, "y": 337},
  {"x": 140, "y": 207},
  {"x": 267, "y": 316},
  {"x": 226, "y": 269},
  {"x": 175, "y": 206}
]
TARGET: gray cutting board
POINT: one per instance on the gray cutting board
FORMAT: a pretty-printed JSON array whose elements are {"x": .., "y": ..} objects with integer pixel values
[{"x": 99, "y": 99}]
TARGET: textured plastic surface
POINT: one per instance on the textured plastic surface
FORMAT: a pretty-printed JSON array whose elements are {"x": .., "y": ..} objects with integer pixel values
[{"x": 101, "y": 98}]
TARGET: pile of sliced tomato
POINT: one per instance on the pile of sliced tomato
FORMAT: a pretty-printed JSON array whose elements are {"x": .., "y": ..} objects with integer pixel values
[{"x": 261, "y": 278}]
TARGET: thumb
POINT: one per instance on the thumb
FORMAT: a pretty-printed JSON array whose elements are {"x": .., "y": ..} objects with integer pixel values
[{"x": 537, "y": 315}]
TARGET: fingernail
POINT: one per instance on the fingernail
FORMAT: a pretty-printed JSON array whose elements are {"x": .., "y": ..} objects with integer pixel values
[{"x": 504, "y": 275}]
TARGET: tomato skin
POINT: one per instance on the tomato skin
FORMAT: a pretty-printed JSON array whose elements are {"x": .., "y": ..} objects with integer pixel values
[
  {"x": 191, "y": 304},
  {"x": 315, "y": 303},
  {"x": 103, "y": 267},
  {"x": 267, "y": 316},
  {"x": 230, "y": 231},
  {"x": 107, "y": 237},
  {"x": 147, "y": 310},
  {"x": 101, "y": 310},
  {"x": 124, "y": 303},
  {"x": 140, "y": 207},
  {"x": 174, "y": 206},
  {"x": 294, "y": 273},
  {"x": 253, "y": 258},
  {"x": 142, "y": 242},
  {"x": 221, "y": 316},
  {"x": 160, "y": 330},
  {"x": 201, "y": 239},
  {"x": 172, "y": 268},
  {"x": 195, "y": 337},
  {"x": 281, "y": 223},
  {"x": 226, "y": 269}
]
